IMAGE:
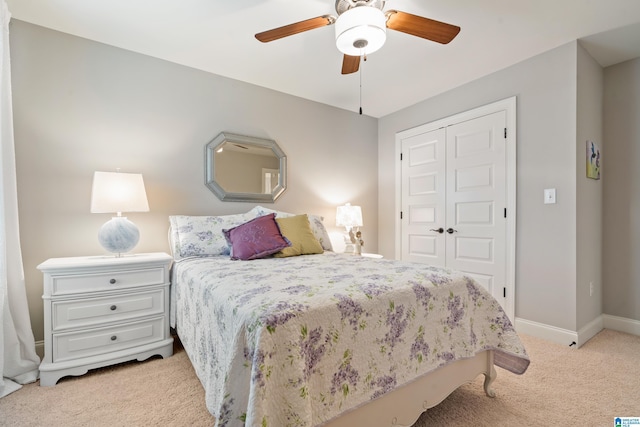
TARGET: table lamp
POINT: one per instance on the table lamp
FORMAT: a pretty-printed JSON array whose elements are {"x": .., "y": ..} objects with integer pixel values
[
  {"x": 116, "y": 192},
  {"x": 350, "y": 217}
]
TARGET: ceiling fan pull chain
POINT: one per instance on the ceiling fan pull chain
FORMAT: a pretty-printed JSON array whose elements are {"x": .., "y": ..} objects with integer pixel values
[
  {"x": 365, "y": 58},
  {"x": 360, "y": 90}
]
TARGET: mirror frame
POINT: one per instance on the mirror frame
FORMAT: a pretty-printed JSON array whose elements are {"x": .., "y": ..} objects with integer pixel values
[{"x": 226, "y": 196}]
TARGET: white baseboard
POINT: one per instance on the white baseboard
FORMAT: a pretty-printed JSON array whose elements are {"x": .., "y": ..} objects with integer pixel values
[
  {"x": 567, "y": 337},
  {"x": 621, "y": 324},
  {"x": 590, "y": 330},
  {"x": 546, "y": 332}
]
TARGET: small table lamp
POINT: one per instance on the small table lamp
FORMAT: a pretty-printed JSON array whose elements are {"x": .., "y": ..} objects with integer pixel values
[
  {"x": 350, "y": 217},
  {"x": 115, "y": 192}
]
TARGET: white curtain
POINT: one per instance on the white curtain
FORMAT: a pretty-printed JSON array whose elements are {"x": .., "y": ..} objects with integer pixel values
[{"x": 18, "y": 359}]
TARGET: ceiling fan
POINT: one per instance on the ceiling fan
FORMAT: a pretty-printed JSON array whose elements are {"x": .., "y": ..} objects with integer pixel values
[{"x": 361, "y": 28}]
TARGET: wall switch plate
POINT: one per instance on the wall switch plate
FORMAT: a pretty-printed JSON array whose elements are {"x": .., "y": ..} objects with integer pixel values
[{"x": 549, "y": 196}]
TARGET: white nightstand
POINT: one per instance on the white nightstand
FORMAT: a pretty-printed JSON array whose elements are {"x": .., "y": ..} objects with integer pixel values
[{"x": 103, "y": 310}]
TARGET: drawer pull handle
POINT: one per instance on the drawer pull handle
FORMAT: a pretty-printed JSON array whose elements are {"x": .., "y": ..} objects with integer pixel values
[
  {"x": 113, "y": 338},
  {"x": 113, "y": 308},
  {"x": 112, "y": 281}
]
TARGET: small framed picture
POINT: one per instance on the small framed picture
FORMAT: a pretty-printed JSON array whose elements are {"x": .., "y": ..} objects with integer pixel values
[{"x": 593, "y": 160}]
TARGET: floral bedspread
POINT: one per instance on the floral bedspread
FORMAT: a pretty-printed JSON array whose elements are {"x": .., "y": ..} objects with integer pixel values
[{"x": 296, "y": 341}]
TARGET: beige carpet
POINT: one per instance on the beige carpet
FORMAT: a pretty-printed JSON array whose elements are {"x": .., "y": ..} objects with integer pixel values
[{"x": 563, "y": 387}]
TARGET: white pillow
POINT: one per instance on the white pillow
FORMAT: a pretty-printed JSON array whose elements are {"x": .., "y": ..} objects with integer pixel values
[{"x": 202, "y": 235}]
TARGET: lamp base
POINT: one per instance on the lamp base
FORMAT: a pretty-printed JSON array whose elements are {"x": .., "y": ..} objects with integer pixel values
[
  {"x": 353, "y": 248},
  {"x": 119, "y": 235},
  {"x": 349, "y": 248},
  {"x": 353, "y": 242}
]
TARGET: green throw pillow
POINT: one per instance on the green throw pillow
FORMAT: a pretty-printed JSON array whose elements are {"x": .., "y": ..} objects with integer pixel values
[{"x": 298, "y": 231}]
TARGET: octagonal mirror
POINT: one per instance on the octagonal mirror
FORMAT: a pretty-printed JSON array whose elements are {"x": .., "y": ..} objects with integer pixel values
[{"x": 242, "y": 168}]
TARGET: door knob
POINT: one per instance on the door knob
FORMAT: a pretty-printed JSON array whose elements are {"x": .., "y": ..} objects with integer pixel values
[
  {"x": 451, "y": 230},
  {"x": 438, "y": 230}
]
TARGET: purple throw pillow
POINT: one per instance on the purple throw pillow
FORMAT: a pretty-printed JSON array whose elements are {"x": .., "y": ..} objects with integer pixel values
[{"x": 255, "y": 239}]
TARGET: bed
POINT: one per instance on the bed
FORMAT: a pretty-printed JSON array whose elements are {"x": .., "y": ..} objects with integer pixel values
[{"x": 318, "y": 338}]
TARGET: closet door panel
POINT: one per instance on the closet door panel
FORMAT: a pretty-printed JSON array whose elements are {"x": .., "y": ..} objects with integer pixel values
[
  {"x": 423, "y": 198},
  {"x": 476, "y": 198}
]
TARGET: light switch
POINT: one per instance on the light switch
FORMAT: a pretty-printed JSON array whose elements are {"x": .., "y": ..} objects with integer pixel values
[{"x": 549, "y": 196}]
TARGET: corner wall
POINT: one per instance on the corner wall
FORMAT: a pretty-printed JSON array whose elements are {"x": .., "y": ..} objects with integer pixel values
[
  {"x": 589, "y": 104},
  {"x": 621, "y": 173}
]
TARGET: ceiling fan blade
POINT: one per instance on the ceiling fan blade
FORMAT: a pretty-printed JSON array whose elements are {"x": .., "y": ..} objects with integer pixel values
[
  {"x": 421, "y": 27},
  {"x": 298, "y": 27},
  {"x": 350, "y": 64}
]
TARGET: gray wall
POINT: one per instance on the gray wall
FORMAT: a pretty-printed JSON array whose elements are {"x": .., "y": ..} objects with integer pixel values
[
  {"x": 589, "y": 192},
  {"x": 81, "y": 106},
  {"x": 546, "y": 253},
  {"x": 621, "y": 171}
]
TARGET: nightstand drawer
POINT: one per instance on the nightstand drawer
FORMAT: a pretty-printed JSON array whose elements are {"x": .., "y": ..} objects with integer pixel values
[
  {"x": 68, "y": 346},
  {"x": 107, "y": 281},
  {"x": 103, "y": 310}
]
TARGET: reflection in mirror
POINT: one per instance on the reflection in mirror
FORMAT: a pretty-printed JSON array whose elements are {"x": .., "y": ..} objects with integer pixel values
[{"x": 245, "y": 169}]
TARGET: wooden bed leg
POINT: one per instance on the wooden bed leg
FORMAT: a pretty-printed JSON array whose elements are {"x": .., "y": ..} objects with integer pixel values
[
  {"x": 488, "y": 380},
  {"x": 490, "y": 376}
]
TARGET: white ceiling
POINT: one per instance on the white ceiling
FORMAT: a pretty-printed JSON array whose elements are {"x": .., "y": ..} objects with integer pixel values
[{"x": 218, "y": 36}]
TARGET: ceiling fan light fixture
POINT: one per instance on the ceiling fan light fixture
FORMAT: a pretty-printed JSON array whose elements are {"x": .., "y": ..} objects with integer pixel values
[{"x": 361, "y": 30}]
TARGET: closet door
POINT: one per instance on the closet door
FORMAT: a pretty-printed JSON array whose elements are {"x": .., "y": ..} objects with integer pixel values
[
  {"x": 454, "y": 196},
  {"x": 423, "y": 198},
  {"x": 476, "y": 200}
]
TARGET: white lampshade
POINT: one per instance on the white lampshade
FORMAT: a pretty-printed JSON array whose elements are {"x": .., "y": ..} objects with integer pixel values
[
  {"x": 361, "y": 30},
  {"x": 115, "y": 192},
  {"x": 349, "y": 216},
  {"x": 118, "y": 192}
]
